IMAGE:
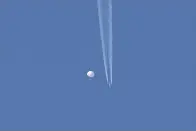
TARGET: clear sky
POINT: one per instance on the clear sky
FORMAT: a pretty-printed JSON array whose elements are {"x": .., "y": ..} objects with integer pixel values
[{"x": 47, "y": 46}]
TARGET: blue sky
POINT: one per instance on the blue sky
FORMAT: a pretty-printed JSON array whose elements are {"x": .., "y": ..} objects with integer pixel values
[{"x": 47, "y": 46}]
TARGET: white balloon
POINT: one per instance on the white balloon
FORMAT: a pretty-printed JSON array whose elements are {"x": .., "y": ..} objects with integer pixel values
[{"x": 90, "y": 74}]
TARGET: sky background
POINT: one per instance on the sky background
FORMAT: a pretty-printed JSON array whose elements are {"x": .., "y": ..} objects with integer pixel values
[{"x": 47, "y": 46}]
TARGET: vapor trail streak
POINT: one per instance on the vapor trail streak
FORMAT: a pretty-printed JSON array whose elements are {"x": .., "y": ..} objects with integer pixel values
[{"x": 105, "y": 24}]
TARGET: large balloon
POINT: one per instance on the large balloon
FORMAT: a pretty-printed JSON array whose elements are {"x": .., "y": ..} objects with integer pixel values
[{"x": 90, "y": 74}]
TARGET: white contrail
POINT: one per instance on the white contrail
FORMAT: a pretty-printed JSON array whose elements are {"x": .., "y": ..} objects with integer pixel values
[{"x": 105, "y": 23}]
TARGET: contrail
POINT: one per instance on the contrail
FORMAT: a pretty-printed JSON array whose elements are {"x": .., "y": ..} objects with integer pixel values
[{"x": 105, "y": 24}]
